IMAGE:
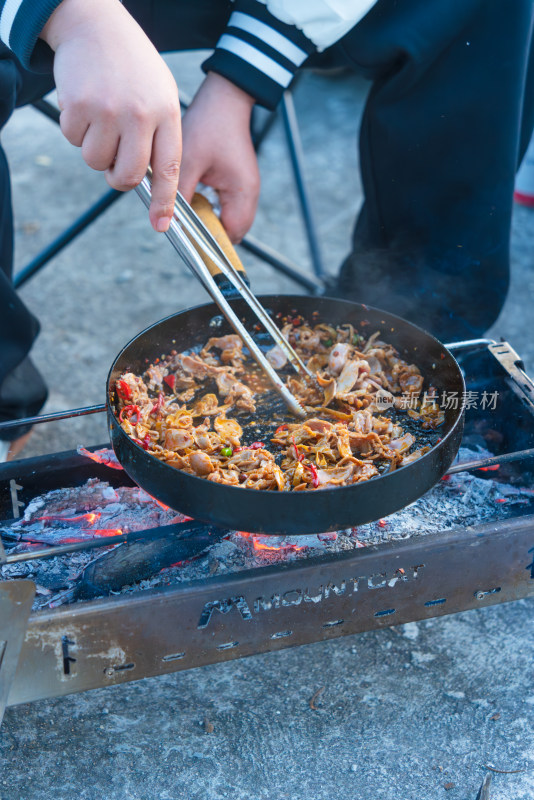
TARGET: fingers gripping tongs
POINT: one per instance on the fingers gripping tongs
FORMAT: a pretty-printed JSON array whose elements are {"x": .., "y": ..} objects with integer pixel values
[{"x": 198, "y": 248}]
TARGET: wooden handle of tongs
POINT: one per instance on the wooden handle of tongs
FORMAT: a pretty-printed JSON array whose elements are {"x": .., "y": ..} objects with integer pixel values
[{"x": 203, "y": 209}]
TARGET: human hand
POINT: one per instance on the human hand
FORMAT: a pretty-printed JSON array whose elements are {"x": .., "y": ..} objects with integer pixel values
[
  {"x": 218, "y": 151},
  {"x": 118, "y": 99}
]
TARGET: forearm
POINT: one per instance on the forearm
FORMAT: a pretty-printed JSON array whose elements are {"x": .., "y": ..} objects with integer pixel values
[{"x": 78, "y": 17}]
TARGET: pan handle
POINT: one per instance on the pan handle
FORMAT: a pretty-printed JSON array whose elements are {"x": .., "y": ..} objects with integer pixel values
[
  {"x": 469, "y": 344},
  {"x": 73, "y": 412},
  {"x": 203, "y": 209}
]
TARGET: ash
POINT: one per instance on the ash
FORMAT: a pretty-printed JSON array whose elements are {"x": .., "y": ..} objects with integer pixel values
[{"x": 97, "y": 509}]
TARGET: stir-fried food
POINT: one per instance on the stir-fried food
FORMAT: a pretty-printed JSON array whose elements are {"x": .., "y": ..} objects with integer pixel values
[{"x": 185, "y": 411}]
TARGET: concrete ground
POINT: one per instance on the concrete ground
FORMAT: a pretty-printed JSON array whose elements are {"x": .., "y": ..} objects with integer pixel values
[{"x": 407, "y": 713}]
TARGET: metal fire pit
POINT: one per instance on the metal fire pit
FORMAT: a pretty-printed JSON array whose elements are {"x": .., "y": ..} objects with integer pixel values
[{"x": 122, "y": 638}]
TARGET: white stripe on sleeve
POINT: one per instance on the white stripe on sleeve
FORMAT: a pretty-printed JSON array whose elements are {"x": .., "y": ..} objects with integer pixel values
[
  {"x": 268, "y": 35},
  {"x": 9, "y": 12},
  {"x": 256, "y": 59}
]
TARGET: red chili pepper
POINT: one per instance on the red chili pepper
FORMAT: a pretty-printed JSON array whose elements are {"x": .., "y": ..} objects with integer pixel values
[
  {"x": 256, "y": 446},
  {"x": 298, "y": 456},
  {"x": 128, "y": 412},
  {"x": 123, "y": 390},
  {"x": 170, "y": 380},
  {"x": 315, "y": 476},
  {"x": 279, "y": 429},
  {"x": 159, "y": 405},
  {"x": 145, "y": 444}
]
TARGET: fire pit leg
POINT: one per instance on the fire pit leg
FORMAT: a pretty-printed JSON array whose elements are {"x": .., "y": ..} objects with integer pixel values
[{"x": 16, "y": 599}]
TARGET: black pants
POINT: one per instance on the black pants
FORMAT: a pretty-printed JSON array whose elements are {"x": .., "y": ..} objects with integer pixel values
[
  {"x": 449, "y": 115},
  {"x": 448, "y": 119}
]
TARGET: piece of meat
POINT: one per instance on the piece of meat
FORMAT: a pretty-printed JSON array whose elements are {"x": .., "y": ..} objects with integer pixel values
[
  {"x": 178, "y": 439},
  {"x": 235, "y": 392},
  {"x": 195, "y": 366},
  {"x": 204, "y": 439},
  {"x": 276, "y": 357},
  {"x": 184, "y": 381},
  {"x": 201, "y": 463},
  {"x": 329, "y": 387},
  {"x": 306, "y": 393},
  {"x": 375, "y": 367},
  {"x": 365, "y": 444},
  {"x": 411, "y": 381},
  {"x": 208, "y": 406},
  {"x": 335, "y": 476},
  {"x": 154, "y": 377},
  {"x": 228, "y": 430},
  {"x": 248, "y": 459},
  {"x": 307, "y": 338},
  {"x": 343, "y": 441},
  {"x": 231, "y": 347},
  {"x": 403, "y": 444},
  {"x": 338, "y": 357},
  {"x": 317, "y": 361},
  {"x": 350, "y": 375},
  {"x": 370, "y": 342},
  {"x": 319, "y": 425},
  {"x": 362, "y": 422},
  {"x": 229, "y": 477}
]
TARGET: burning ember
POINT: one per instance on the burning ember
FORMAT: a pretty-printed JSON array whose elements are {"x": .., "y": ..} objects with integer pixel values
[
  {"x": 68, "y": 518},
  {"x": 90, "y": 518},
  {"x": 104, "y": 456},
  {"x": 86, "y": 522},
  {"x": 268, "y": 544}
]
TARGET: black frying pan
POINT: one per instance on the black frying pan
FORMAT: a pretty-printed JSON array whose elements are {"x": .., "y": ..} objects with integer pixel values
[{"x": 303, "y": 512}]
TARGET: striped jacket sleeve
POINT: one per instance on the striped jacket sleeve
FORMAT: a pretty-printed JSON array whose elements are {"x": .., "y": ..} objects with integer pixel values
[
  {"x": 258, "y": 52},
  {"x": 21, "y": 22},
  {"x": 267, "y": 40}
]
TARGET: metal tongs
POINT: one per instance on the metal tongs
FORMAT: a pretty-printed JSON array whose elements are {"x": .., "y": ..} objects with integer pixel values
[{"x": 186, "y": 233}]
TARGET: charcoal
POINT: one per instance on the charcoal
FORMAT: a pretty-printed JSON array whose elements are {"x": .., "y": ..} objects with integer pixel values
[
  {"x": 132, "y": 562},
  {"x": 56, "y": 577}
]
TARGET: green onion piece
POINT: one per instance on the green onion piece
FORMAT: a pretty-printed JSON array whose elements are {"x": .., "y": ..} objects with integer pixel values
[
  {"x": 357, "y": 339},
  {"x": 227, "y": 452},
  {"x": 328, "y": 343}
]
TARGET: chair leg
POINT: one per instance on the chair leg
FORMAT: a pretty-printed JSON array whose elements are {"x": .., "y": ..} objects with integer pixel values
[{"x": 296, "y": 153}]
